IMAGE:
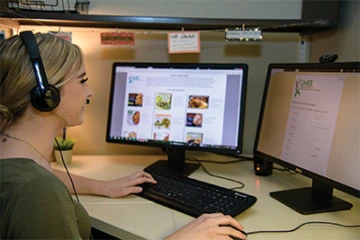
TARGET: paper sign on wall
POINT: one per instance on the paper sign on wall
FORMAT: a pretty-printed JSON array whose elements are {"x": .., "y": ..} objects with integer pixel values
[
  {"x": 184, "y": 42},
  {"x": 64, "y": 35},
  {"x": 243, "y": 35},
  {"x": 114, "y": 38}
]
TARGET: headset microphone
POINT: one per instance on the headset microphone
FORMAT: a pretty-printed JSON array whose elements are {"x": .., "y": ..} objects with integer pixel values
[{"x": 87, "y": 101}]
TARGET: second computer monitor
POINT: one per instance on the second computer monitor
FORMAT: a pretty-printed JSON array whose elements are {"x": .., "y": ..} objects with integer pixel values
[{"x": 309, "y": 123}]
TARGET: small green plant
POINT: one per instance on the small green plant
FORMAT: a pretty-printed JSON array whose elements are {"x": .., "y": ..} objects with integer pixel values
[{"x": 64, "y": 144}]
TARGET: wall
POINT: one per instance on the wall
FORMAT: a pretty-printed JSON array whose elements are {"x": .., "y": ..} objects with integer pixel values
[{"x": 344, "y": 40}]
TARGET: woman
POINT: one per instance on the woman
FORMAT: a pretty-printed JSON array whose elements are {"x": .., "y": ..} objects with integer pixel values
[{"x": 34, "y": 202}]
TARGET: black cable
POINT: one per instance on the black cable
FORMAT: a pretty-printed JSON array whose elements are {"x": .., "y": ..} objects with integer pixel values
[
  {"x": 67, "y": 171},
  {"x": 280, "y": 169},
  {"x": 301, "y": 225},
  {"x": 242, "y": 185},
  {"x": 235, "y": 156},
  {"x": 217, "y": 162},
  {"x": 193, "y": 159},
  {"x": 71, "y": 180},
  {"x": 285, "y": 170}
]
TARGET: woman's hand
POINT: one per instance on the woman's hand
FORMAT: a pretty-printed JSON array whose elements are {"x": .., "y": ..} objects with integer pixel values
[
  {"x": 127, "y": 185},
  {"x": 209, "y": 226}
]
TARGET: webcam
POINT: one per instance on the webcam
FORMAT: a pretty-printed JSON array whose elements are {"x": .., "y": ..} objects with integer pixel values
[{"x": 328, "y": 58}]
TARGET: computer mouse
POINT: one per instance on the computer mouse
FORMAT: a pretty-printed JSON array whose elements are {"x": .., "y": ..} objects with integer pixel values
[{"x": 235, "y": 238}]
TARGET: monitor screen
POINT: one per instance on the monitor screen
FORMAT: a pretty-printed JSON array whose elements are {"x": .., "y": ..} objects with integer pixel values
[
  {"x": 178, "y": 107},
  {"x": 309, "y": 122}
]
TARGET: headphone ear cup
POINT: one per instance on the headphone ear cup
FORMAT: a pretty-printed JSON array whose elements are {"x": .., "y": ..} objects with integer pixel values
[{"x": 45, "y": 103}]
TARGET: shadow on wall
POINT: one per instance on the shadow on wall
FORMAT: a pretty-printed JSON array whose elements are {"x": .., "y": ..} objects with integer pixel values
[
  {"x": 115, "y": 53},
  {"x": 185, "y": 58},
  {"x": 247, "y": 50}
]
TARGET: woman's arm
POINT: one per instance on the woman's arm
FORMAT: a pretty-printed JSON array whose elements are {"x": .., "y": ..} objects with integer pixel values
[
  {"x": 115, "y": 188},
  {"x": 207, "y": 226}
]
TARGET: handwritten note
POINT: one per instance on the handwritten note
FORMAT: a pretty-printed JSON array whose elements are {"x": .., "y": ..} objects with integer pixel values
[{"x": 184, "y": 42}]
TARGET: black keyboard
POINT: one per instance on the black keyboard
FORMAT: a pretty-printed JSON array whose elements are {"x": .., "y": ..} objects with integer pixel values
[{"x": 194, "y": 197}]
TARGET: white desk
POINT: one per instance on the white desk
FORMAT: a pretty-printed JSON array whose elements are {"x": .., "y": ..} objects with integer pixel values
[{"x": 133, "y": 216}]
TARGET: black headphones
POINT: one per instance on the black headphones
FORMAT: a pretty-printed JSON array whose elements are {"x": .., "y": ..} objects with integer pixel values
[{"x": 44, "y": 97}]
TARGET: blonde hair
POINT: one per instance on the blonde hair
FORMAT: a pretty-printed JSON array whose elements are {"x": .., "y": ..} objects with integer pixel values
[{"x": 61, "y": 60}]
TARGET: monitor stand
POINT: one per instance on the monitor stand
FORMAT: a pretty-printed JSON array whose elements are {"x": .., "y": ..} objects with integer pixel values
[
  {"x": 176, "y": 163},
  {"x": 316, "y": 199}
]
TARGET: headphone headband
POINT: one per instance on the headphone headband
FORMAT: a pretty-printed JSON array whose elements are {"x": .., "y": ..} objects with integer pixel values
[
  {"x": 44, "y": 97},
  {"x": 31, "y": 45}
]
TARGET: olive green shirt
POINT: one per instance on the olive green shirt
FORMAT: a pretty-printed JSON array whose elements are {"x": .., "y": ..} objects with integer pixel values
[{"x": 35, "y": 204}]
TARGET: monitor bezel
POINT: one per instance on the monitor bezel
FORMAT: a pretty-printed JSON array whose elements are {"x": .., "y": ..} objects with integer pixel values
[
  {"x": 260, "y": 155},
  {"x": 163, "y": 145}
]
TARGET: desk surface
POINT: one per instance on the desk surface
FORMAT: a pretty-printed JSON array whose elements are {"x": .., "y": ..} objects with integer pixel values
[{"x": 133, "y": 217}]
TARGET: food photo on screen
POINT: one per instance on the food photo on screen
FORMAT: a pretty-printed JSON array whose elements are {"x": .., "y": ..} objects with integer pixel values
[
  {"x": 163, "y": 101},
  {"x": 161, "y": 136},
  {"x": 201, "y": 102},
  {"x": 135, "y": 100},
  {"x": 194, "y": 139},
  {"x": 194, "y": 119},
  {"x": 162, "y": 121},
  {"x": 133, "y": 117},
  {"x": 131, "y": 135}
]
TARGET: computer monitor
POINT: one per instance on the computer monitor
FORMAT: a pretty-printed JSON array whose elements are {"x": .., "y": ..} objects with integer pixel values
[
  {"x": 178, "y": 107},
  {"x": 309, "y": 123}
]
